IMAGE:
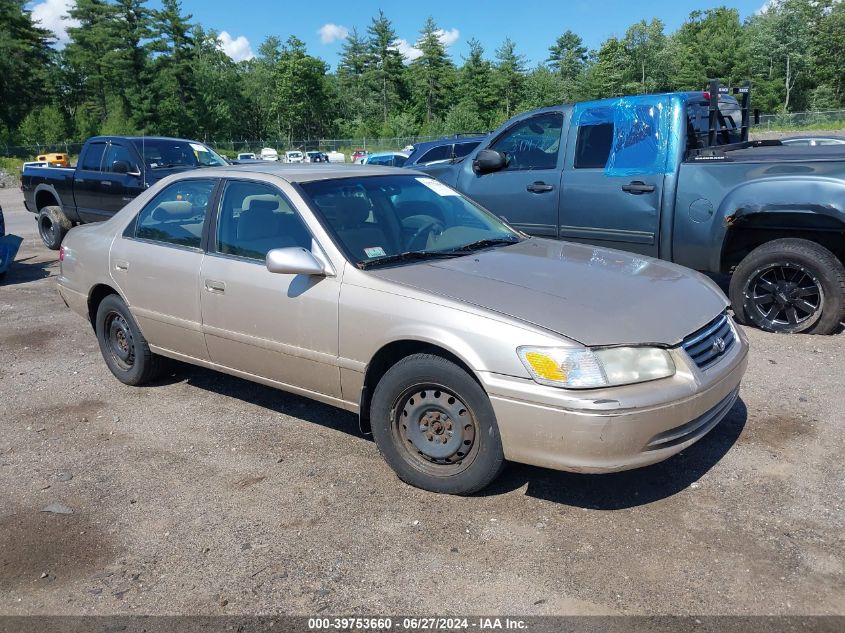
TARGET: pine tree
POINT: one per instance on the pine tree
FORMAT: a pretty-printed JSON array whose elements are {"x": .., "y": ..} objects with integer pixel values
[
  {"x": 510, "y": 76},
  {"x": 476, "y": 86},
  {"x": 568, "y": 58},
  {"x": 432, "y": 73},
  {"x": 91, "y": 44},
  {"x": 172, "y": 90},
  {"x": 385, "y": 67}
]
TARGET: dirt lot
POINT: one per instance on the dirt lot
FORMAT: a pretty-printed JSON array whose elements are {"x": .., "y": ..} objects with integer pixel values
[{"x": 206, "y": 494}]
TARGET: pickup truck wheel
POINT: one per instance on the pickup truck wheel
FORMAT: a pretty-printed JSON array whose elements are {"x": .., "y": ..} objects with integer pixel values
[
  {"x": 122, "y": 344},
  {"x": 53, "y": 224},
  {"x": 434, "y": 425},
  {"x": 790, "y": 286}
]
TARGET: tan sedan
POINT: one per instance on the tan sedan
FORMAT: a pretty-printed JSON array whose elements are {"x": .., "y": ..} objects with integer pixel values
[{"x": 459, "y": 341}]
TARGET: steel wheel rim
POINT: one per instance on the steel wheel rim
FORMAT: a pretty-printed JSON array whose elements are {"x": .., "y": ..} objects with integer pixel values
[
  {"x": 435, "y": 429},
  {"x": 784, "y": 297},
  {"x": 120, "y": 341},
  {"x": 47, "y": 230}
]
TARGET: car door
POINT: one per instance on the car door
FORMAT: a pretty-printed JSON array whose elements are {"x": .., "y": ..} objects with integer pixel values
[
  {"x": 86, "y": 181},
  {"x": 612, "y": 198},
  {"x": 277, "y": 326},
  {"x": 120, "y": 180},
  {"x": 156, "y": 264},
  {"x": 526, "y": 192}
]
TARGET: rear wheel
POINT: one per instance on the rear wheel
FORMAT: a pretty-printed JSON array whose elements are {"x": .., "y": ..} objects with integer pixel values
[
  {"x": 790, "y": 286},
  {"x": 434, "y": 425},
  {"x": 53, "y": 224},
  {"x": 123, "y": 346}
]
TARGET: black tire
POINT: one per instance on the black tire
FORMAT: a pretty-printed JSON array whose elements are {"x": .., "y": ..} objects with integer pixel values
[
  {"x": 790, "y": 286},
  {"x": 53, "y": 225},
  {"x": 123, "y": 346},
  {"x": 432, "y": 390}
]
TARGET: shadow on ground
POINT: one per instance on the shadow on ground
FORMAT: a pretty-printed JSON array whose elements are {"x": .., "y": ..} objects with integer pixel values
[
  {"x": 604, "y": 492},
  {"x": 23, "y": 271}
]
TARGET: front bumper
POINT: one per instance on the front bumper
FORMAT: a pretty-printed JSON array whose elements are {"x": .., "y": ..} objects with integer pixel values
[{"x": 606, "y": 430}]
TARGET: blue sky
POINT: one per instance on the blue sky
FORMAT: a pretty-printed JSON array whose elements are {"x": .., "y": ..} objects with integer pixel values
[{"x": 532, "y": 24}]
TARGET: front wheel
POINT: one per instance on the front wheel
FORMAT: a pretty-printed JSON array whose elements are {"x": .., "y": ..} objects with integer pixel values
[
  {"x": 790, "y": 286},
  {"x": 435, "y": 426}
]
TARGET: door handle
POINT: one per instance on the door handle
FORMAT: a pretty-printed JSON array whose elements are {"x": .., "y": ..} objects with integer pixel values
[
  {"x": 108, "y": 183},
  {"x": 120, "y": 264},
  {"x": 539, "y": 187},
  {"x": 215, "y": 286},
  {"x": 637, "y": 187}
]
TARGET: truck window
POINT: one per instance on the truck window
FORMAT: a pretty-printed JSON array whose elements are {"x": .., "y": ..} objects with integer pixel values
[
  {"x": 593, "y": 146},
  {"x": 533, "y": 143},
  {"x": 92, "y": 158},
  {"x": 463, "y": 149},
  {"x": 115, "y": 153},
  {"x": 176, "y": 215},
  {"x": 443, "y": 152}
]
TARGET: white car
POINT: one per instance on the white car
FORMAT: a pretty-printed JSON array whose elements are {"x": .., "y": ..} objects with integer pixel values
[
  {"x": 294, "y": 156},
  {"x": 336, "y": 157},
  {"x": 268, "y": 153},
  {"x": 246, "y": 156}
]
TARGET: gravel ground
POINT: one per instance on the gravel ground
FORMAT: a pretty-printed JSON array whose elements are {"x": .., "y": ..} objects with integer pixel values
[{"x": 206, "y": 494}]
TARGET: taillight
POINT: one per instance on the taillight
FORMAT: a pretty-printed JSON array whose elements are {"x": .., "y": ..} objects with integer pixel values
[{"x": 61, "y": 253}]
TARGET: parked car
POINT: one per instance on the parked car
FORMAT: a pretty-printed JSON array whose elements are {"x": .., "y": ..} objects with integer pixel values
[
  {"x": 294, "y": 156},
  {"x": 813, "y": 141},
  {"x": 54, "y": 159},
  {"x": 9, "y": 245},
  {"x": 660, "y": 175},
  {"x": 336, "y": 157},
  {"x": 268, "y": 153},
  {"x": 316, "y": 157},
  {"x": 389, "y": 159},
  {"x": 111, "y": 171},
  {"x": 480, "y": 344},
  {"x": 358, "y": 156},
  {"x": 442, "y": 152},
  {"x": 246, "y": 156}
]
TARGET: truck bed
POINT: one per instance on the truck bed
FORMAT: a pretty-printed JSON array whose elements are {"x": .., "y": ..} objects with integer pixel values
[{"x": 785, "y": 153}]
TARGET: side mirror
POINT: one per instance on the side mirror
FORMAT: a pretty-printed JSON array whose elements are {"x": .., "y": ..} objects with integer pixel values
[
  {"x": 293, "y": 261},
  {"x": 488, "y": 160}
]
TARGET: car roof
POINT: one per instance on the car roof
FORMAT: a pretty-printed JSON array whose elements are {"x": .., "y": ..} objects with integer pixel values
[
  {"x": 396, "y": 153},
  {"x": 304, "y": 172}
]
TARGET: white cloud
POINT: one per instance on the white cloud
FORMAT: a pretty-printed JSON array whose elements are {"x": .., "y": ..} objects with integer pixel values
[
  {"x": 52, "y": 15},
  {"x": 410, "y": 52},
  {"x": 237, "y": 48},
  {"x": 332, "y": 32}
]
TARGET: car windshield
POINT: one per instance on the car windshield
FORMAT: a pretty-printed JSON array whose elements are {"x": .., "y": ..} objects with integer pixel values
[
  {"x": 396, "y": 218},
  {"x": 165, "y": 153}
]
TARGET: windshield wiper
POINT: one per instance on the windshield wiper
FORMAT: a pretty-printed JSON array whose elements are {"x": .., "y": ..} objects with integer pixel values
[
  {"x": 493, "y": 241},
  {"x": 407, "y": 256}
]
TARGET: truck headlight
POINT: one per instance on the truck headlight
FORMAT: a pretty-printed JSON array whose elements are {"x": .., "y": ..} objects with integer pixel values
[{"x": 591, "y": 368}]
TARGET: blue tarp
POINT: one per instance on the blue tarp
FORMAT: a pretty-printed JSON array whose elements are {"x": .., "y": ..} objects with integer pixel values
[
  {"x": 9, "y": 245},
  {"x": 643, "y": 138}
]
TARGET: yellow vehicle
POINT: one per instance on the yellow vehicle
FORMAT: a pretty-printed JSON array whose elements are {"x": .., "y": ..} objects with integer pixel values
[{"x": 54, "y": 159}]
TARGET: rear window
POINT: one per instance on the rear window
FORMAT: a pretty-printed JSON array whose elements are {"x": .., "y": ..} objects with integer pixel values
[
  {"x": 93, "y": 157},
  {"x": 593, "y": 146},
  {"x": 443, "y": 152},
  {"x": 462, "y": 149}
]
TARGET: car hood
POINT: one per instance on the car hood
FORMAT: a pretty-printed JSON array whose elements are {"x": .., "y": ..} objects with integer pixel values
[{"x": 595, "y": 296}]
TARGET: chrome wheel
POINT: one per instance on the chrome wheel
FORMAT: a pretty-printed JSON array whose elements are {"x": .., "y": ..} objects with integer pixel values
[
  {"x": 783, "y": 297},
  {"x": 436, "y": 429},
  {"x": 47, "y": 230},
  {"x": 121, "y": 344}
]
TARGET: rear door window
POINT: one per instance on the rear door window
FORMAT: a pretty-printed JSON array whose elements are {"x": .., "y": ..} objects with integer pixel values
[
  {"x": 92, "y": 159},
  {"x": 177, "y": 214},
  {"x": 593, "y": 146}
]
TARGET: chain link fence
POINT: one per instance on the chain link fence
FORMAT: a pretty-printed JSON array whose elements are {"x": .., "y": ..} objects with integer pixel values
[{"x": 829, "y": 119}]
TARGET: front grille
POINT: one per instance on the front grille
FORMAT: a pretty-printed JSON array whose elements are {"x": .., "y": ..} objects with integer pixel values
[{"x": 707, "y": 345}]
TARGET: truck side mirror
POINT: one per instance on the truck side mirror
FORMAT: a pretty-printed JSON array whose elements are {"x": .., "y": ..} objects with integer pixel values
[
  {"x": 488, "y": 160},
  {"x": 121, "y": 167}
]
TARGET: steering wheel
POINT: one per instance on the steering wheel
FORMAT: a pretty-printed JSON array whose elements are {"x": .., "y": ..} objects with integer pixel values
[{"x": 422, "y": 232}]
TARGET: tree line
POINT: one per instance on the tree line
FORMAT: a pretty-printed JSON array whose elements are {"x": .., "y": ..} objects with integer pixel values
[{"x": 128, "y": 68}]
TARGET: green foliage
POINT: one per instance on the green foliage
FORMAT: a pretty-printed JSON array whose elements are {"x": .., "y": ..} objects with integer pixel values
[{"x": 137, "y": 66}]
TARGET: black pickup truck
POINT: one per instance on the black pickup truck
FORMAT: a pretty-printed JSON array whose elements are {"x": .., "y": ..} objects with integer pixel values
[{"x": 110, "y": 172}]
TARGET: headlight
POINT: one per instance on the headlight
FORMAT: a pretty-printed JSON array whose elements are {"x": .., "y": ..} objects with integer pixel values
[{"x": 586, "y": 368}]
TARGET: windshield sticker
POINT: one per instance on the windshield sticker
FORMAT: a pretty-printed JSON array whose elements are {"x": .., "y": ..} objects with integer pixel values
[
  {"x": 198, "y": 148},
  {"x": 374, "y": 251},
  {"x": 437, "y": 187}
]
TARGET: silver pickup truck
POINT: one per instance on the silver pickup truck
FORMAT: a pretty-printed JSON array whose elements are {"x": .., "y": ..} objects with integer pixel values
[{"x": 674, "y": 176}]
